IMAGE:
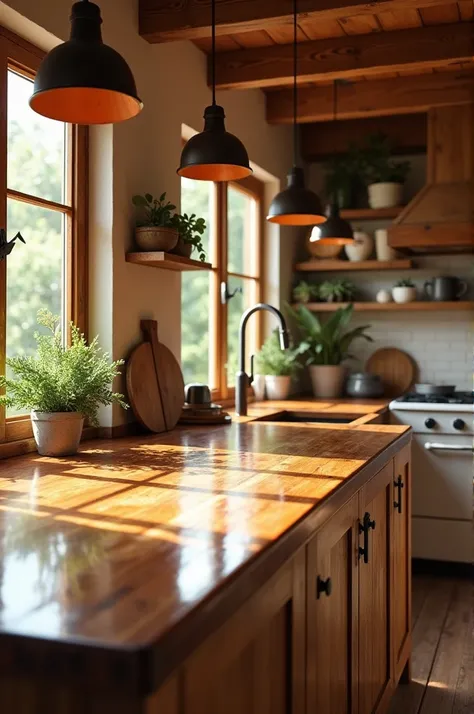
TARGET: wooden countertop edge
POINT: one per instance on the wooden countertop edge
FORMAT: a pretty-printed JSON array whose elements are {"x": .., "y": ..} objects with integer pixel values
[{"x": 164, "y": 657}]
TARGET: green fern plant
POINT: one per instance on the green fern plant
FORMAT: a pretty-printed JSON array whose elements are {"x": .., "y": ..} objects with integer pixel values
[
  {"x": 272, "y": 360},
  {"x": 76, "y": 378}
]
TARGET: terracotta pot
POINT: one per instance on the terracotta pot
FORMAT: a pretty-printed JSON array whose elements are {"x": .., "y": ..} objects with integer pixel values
[
  {"x": 57, "y": 433},
  {"x": 182, "y": 248},
  {"x": 385, "y": 195},
  {"x": 277, "y": 388},
  {"x": 153, "y": 238},
  {"x": 327, "y": 380}
]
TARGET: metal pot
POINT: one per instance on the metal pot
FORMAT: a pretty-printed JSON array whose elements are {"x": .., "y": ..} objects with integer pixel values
[
  {"x": 197, "y": 395},
  {"x": 365, "y": 385},
  {"x": 435, "y": 390},
  {"x": 445, "y": 288}
]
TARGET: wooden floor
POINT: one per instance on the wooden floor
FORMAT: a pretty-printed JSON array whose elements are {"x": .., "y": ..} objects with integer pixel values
[{"x": 443, "y": 649}]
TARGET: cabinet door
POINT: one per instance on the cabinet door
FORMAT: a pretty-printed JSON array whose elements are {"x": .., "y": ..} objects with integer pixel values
[
  {"x": 255, "y": 663},
  {"x": 332, "y": 615},
  {"x": 401, "y": 563},
  {"x": 375, "y": 512}
]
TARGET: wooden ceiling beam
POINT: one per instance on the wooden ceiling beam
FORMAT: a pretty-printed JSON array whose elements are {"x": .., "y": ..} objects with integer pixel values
[
  {"x": 347, "y": 57},
  {"x": 401, "y": 95},
  {"x": 408, "y": 134},
  {"x": 168, "y": 20}
]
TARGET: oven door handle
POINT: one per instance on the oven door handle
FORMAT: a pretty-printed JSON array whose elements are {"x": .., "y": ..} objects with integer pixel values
[{"x": 434, "y": 446}]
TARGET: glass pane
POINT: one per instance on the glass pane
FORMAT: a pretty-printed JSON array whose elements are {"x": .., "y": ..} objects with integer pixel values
[
  {"x": 36, "y": 146},
  {"x": 35, "y": 274},
  {"x": 242, "y": 233},
  {"x": 235, "y": 307},
  {"x": 196, "y": 197}
]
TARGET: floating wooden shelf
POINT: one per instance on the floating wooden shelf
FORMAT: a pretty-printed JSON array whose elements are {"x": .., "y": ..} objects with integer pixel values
[
  {"x": 321, "y": 266},
  {"x": 371, "y": 214},
  {"x": 166, "y": 261},
  {"x": 393, "y": 306}
]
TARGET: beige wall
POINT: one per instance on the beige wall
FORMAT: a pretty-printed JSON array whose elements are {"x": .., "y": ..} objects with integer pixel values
[{"x": 142, "y": 155}]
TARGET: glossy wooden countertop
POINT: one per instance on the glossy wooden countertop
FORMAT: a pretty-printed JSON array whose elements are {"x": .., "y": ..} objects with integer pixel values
[{"x": 132, "y": 547}]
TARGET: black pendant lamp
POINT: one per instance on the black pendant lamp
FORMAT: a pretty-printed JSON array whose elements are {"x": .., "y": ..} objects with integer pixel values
[
  {"x": 214, "y": 154},
  {"x": 336, "y": 231},
  {"x": 296, "y": 205},
  {"x": 84, "y": 81}
]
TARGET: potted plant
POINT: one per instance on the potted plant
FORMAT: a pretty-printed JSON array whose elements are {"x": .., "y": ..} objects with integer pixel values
[
  {"x": 278, "y": 366},
  {"x": 190, "y": 230},
  {"x": 342, "y": 179},
  {"x": 385, "y": 177},
  {"x": 337, "y": 290},
  {"x": 305, "y": 292},
  {"x": 156, "y": 227},
  {"x": 61, "y": 386},
  {"x": 326, "y": 346},
  {"x": 404, "y": 291}
]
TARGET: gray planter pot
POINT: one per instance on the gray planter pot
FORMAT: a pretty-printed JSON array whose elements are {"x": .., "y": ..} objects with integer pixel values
[
  {"x": 57, "y": 433},
  {"x": 327, "y": 380}
]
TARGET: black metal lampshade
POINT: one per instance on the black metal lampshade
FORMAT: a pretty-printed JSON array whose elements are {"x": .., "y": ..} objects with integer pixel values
[
  {"x": 335, "y": 230},
  {"x": 84, "y": 81},
  {"x": 296, "y": 205},
  {"x": 214, "y": 154}
]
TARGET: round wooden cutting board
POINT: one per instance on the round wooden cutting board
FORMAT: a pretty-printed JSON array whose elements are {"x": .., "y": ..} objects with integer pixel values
[{"x": 396, "y": 369}]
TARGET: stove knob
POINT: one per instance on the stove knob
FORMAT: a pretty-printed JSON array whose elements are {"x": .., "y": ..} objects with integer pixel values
[
  {"x": 430, "y": 423},
  {"x": 459, "y": 424}
]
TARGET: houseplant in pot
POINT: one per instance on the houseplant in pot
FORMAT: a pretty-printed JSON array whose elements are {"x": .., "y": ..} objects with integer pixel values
[
  {"x": 190, "y": 230},
  {"x": 342, "y": 178},
  {"x": 156, "y": 227},
  {"x": 305, "y": 292},
  {"x": 339, "y": 290},
  {"x": 404, "y": 291},
  {"x": 278, "y": 366},
  {"x": 384, "y": 176},
  {"x": 61, "y": 386},
  {"x": 326, "y": 346}
]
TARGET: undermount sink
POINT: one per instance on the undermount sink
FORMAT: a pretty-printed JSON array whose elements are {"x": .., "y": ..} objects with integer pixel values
[{"x": 301, "y": 417}]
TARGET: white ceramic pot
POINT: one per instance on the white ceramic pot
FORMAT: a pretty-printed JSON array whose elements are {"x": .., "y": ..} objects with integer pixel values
[
  {"x": 151, "y": 238},
  {"x": 383, "y": 250},
  {"x": 361, "y": 248},
  {"x": 404, "y": 294},
  {"x": 383, "y": 296},
  {"x": 258, "y": 386},
  {"x": 385, "y": 195},
  {"x": 327, "y": 380},
  {"x": 57, "y": 433},
  {"x": 277, "y": 388}
]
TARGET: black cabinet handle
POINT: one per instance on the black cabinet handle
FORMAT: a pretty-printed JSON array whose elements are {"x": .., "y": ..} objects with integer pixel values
[
  {"x": 323, "y": 586},
  {"x": 398, "y": 484},
  {"x": 364, "y": 528}
]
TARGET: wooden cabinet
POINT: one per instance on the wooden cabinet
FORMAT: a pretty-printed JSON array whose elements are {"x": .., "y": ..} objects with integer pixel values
[
  {"x": 400, "y": 549},
  {"x": 332, "y": 614},
  {"x": 256, "y": 661},
  {"x": 375, "y": 508}
]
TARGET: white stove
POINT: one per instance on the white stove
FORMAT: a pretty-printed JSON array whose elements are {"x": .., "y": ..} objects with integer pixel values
[{"x": 442, "y": 457}]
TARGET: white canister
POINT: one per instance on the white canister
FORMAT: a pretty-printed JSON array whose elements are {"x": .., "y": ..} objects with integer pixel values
[
  {"x": 385, "y": 195},
  {"x": 383, "y": 250},
  {"x": 361, "y": 248}
]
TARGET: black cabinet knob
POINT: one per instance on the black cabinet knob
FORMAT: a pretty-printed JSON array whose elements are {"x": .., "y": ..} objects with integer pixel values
[
  {"x": 430, "y": 423},
  {"x": 459, "y": 424},
  {"x": 323, "y": 586}
]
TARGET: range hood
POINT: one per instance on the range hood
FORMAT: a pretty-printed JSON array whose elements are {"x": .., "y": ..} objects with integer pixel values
[{"x": 440, "y": 219}]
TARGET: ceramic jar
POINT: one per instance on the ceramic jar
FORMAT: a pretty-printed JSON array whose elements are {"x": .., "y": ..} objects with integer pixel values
[
  {"x": 361, "y": 248},
  {"x": 383, "y": 251},
  {"x": 383, "y": 296},
  {"x": 385, "y": 195}
]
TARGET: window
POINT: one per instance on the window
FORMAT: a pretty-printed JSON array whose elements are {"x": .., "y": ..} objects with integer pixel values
[
  {"x": 43, "y": 167},
  {"x": 213, "y": 302}
]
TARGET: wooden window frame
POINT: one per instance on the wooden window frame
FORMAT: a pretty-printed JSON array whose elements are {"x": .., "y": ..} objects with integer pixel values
[
  {"x": 23, "y": 57},
  {"x": 218, "y": 274}
]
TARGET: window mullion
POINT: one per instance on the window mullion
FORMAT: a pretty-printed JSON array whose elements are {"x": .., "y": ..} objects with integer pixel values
[
  {"x": 3, "y": 217},
  {"x": 223, "y": 237}
]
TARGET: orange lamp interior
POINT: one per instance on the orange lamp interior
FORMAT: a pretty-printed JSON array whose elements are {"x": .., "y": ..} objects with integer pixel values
[
  {"x": 334, "y": 241},
  {"x": 297, "y": 219},
  {"x": 85, "y": 105},
  {"x": 215, "y": 172}
]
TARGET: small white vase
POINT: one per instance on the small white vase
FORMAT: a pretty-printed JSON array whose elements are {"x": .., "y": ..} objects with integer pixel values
[
  {"x": 327, "y": 380},
  {"x": 383, "y": 296},
  {"x": 382, "y": 248},
  {"x": 277, "y": 388},
  {"x": 258, "y": 386},
  {"x": 385, "y": 195},
  {"x": 404, "y": 294},
  {"x": 57, "y": 433},
  {"x": 361, "y": 248}
]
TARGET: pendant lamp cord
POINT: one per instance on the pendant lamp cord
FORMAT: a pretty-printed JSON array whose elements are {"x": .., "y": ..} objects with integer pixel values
[
  {"x": 295, "y": 83},
  {"x": 213, "y": 61}
]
